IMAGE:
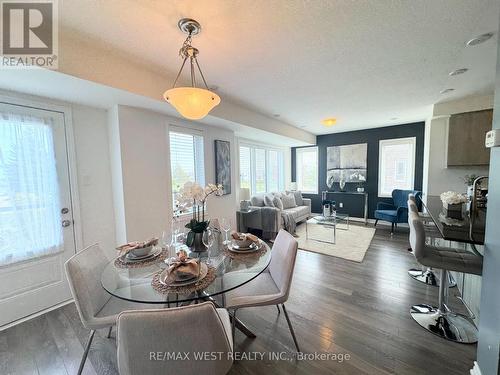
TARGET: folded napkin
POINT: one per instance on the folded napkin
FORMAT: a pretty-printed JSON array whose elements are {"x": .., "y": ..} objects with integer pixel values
[
  {"x": 124, "y": 249},
  {"x": 245, "y": 236},
  {"x": 181, "y": 269}
]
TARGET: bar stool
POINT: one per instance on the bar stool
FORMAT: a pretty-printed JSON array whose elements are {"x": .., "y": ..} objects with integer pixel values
[
  {"x": 441, "y": 320},
  {"x": 424, "y": 275}
]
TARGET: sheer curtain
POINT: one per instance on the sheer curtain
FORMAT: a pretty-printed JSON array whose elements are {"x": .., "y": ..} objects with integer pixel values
[{"x": 30, "y": 221}]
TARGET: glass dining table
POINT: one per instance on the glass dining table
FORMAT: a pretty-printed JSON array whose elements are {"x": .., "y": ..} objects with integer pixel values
[{"x": 232, "y": 270}]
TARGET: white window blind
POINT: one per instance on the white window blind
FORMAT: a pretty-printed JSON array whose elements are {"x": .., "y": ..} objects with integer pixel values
[
  {"x": 245, "y": 168},
  {"x": 306, "y": 169},
  {"x": 396, "y": 165},
  {"x": 186, "y": 160},
  {"x": 262, "y": 169}
]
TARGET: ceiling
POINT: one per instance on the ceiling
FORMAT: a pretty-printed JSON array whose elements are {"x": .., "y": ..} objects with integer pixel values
[{"x": 367, "y": 63}]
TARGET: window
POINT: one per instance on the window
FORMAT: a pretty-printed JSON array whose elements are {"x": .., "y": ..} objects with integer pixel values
[
  {"x": 396, "y": 165},
  {"x": 186, "y": 160},
  {"x": 30, "y": 199},
  {"x": 306, "y": 169},
  {"x": 261, "y": 169}
]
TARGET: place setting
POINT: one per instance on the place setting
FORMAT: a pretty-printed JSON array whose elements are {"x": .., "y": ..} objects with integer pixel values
[
  {"x": 140, "y": 254},
  {"x": 242, "y": 245},
  {"x": 183, "y": 275}
]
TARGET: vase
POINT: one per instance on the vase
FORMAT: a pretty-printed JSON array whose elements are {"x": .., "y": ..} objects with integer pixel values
[
  {"x": 342, "y": 184},
  {"x": 197, "y": 244},
  {"x": 453, "y": 211}
]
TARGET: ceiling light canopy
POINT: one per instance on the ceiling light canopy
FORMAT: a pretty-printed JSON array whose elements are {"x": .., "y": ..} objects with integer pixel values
[
  {"x": 191, "y": 102},
  {"x": 329, "y": 121}
]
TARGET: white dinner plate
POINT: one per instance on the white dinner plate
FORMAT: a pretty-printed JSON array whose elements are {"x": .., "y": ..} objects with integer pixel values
[
  {"x": 203, "y": 273},
  {"x": 130, "y": 258},
  {"x": 253, "y": 247}
]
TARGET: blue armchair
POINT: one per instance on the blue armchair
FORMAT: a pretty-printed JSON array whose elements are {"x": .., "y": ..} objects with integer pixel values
[{"x": 397, "y": 212}]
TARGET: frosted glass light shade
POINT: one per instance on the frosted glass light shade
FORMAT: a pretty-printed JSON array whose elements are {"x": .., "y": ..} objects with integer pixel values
[{"x": 192, "y": 102}]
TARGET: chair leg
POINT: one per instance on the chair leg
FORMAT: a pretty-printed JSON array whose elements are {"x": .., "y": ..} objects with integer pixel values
[
  {"x": 233, "y": 331},
  {"x": 376, "y": 221},
  {"x": 109, "y": 332},
  {"x": 278, "y": 307},
  {"x": 392, "y": 229},
  {"x": 290, "y": 327},
  {"x": 86, "y": 352}
]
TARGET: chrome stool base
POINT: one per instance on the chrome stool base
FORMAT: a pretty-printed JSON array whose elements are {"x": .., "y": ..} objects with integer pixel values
[
  {"x": 428, "y": 277},
  {"x": 450, "y": 326}
]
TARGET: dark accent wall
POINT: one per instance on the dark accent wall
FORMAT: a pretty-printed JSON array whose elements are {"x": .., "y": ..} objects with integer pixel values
[{"x": 372, "y": 137}]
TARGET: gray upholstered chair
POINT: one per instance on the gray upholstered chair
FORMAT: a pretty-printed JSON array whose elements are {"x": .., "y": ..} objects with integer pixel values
[
  {"x": 441, "y": 320},
  {"x": 191, "y": 329},
  {"x": 272, "y": 286},
  {"x": 97, "y": 308}
]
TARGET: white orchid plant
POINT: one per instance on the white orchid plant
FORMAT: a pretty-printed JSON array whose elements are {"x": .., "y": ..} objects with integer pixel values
[
  {"x": 193, "y": 196},
  {"x": 452, "y": 197}
]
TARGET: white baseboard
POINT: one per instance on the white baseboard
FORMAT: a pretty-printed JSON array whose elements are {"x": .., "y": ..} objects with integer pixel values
[
  {"x": 475, "y": 370},
  {"x": 32, "y": 316}
]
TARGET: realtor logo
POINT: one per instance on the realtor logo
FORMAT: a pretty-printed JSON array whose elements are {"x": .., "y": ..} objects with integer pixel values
[{"x": 29, "y": 33}]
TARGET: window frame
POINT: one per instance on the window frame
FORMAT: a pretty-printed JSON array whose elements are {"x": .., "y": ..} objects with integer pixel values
[
  {"x": 381, "y": 166},
  {"x": 267, "y": 148},
  {"x": 299, "y": 185}
]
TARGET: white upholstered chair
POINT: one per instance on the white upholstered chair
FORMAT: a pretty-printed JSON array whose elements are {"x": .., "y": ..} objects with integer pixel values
[
  {"x": 272, "y": 286},
  {"x": 96, "y": 307},
  {"x": 190, "y": 329}
]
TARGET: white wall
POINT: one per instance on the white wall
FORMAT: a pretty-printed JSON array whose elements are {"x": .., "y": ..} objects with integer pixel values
[
  {"x": 93, "y": 173},
  {"x": 143, "y": 145},
  {"x": 438, "y": 177}
]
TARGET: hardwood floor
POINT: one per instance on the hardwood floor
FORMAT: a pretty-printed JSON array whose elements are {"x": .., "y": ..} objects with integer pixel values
[{"x": 336, "y": 306}]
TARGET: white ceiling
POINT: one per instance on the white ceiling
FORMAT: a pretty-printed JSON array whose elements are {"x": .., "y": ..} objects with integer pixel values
[{"x": 364, "y": 62}]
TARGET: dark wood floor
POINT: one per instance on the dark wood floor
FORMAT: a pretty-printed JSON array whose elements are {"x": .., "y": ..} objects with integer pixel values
[{"x": 336, "y": 306}]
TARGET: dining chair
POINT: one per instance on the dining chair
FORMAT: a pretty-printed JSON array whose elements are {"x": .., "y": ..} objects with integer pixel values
[
  {"x": 97, "y": 308},
  {"x": 144, "y": 336},
  {"x": 272, "y": 286}
]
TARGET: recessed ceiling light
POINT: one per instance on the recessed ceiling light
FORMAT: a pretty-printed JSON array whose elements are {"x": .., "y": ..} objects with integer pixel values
[
  {"x": 458, "y": 71},
  {"x": 480, "y": 39},
  {"x": 329, "y": 121},
  {"x": 276, "y": 115},
  {"x": 446, "y": 91},
  {"x": 393, "y": 118},
  {"x": 302, "y": 126}
]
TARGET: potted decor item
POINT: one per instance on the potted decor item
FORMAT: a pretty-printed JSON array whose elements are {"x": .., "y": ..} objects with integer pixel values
[
  {"x": 453, "y": 203},
  {"x": 193, "y": 197}
]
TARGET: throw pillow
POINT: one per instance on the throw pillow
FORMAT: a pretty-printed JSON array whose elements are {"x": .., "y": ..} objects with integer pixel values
[
  {"x": 288, "y": 201},
  {"x": 268, "y": 201},
  {"x": 278, "y": 203},
  {"x": 298, "y": 198},
  {"x": 257, "y": 201}
]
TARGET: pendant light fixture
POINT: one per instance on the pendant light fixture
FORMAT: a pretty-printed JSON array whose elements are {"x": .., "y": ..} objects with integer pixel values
[{"x": 191, "y": 102}]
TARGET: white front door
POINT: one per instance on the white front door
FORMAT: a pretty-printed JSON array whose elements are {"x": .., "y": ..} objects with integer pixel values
[{"x": 36, "y": 216}]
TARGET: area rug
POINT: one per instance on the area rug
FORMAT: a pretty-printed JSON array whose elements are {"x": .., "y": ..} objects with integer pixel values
[{"x": 351, "y": 244}]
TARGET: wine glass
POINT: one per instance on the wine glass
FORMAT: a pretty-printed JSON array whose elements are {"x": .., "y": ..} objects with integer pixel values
[
  {"x": 226, "y": 227},
  {"x": 208, "y": 241}
]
